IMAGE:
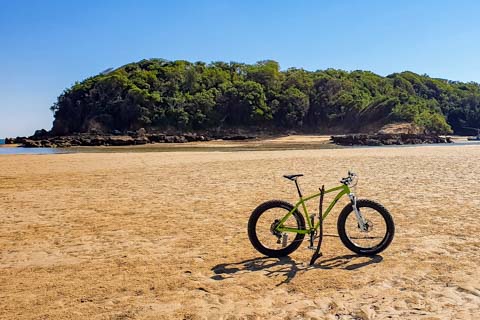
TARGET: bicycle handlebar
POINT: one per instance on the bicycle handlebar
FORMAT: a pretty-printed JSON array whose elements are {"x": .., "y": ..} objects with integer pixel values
[{"x": 348, "y": 180}]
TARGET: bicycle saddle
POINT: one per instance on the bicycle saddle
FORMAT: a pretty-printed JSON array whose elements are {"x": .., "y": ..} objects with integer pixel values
[{"x": 293, "y": 176}]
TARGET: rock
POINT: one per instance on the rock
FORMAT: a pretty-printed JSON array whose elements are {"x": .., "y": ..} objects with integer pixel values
[
  {"x": 99, "y": 141},
  {"x": 386, "y": 139},
  {"x": 141, "y": 140},
  {"x": 86, "y": 142},
  {"x": 121, "y": 141},
  {"x": 191, "y": 137},
  {"x": 175, "y": 139},
  {"x": 63, "y": 145},
  {"x": 99, "y": 124},
  {"x": 389, "y": 142},
  {"x": 40, "y": 133},
  {"x": 373, "y": 142},
  {"x": 73, "y": 142},
  {"x": 169, "y": 139},
  {"x": 179, "y": 139},
  {"x": 156, "y": 137},
  {"x": 346, "y": 140},
  {"x": 46, "y": 144},
  {"x": 28, "y": 143},
  {"x": 18, "y": 140},
  {"x": 88, "y": 139},
  {"x": 141, "y": 132}
]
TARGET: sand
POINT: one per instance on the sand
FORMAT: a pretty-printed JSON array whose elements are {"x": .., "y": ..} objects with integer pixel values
[{"x": 163, "y": 236}]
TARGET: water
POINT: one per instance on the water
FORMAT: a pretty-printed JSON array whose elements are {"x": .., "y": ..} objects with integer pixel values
[
  {"x": 19, "y": 150},
  {"x": 179, "y": 148},
  {"x": 13, "y": 150}
]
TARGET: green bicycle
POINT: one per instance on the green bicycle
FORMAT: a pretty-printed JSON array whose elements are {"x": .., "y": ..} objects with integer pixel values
[{"x": 276, "y": 228}]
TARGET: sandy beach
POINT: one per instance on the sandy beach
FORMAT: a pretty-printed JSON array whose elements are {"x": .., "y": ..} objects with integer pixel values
[{"x": 162, "y": 235}]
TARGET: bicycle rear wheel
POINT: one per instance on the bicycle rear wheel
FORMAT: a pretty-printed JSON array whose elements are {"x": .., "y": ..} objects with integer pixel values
[{"x": 262, "y": 233}]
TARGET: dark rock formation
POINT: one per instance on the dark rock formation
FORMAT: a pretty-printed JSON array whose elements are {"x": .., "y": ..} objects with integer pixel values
[
  {"x": 387, "y": 139},
  {"x": 43, "y": 139},
  {"x": 120, "y": 141},
  {"x": 17, "y": 140},
  {"x": 27, "y": 143}
]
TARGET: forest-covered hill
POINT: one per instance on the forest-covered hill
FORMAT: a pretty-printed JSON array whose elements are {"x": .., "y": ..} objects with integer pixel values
[{"x": 157, "y": 94}]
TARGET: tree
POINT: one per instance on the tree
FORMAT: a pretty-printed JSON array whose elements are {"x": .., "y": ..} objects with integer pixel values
[
  {"x": 244, "y": 104},
  {"x": 292, "y": 107}
]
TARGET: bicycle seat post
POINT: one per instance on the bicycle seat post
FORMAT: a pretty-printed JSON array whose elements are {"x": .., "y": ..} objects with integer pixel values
[
  {"x": 298, "y": 188},
  {"x": 294, "y": 177}
]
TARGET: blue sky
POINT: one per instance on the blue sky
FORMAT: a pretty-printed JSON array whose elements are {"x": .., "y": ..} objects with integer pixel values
[{"x": 45, "y": 46}]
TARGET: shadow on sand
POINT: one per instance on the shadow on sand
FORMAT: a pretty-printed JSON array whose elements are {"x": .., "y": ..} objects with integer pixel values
[{"x": 273, "y": 267}]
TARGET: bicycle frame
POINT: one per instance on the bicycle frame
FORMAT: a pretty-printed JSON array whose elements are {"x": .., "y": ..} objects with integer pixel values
[{"x": 344, "y": 190}]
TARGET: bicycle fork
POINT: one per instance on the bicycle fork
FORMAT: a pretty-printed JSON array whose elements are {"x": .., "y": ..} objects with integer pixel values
[{"x": 361, "y": 221}]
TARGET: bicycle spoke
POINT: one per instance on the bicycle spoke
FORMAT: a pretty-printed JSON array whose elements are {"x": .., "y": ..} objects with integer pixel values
[{"x": 376, "y": 229}]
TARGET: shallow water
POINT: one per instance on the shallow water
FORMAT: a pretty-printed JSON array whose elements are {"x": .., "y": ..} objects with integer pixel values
[
  {"x": 166, "y": 148},
  {"x": 6, "y": 150},
  {"x": 211, "y": 148}
]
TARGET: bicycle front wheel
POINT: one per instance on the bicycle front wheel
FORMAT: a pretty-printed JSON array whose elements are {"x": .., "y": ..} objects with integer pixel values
[
  {"x": 379, "y": 228},
  {"x": 262, "y": 233}
]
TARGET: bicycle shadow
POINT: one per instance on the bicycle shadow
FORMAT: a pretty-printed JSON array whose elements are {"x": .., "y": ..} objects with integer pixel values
[
  {"x": 271, "y": 266},
  {"x": 287, "y": 267},
  {"x": 345, "y": 262}
]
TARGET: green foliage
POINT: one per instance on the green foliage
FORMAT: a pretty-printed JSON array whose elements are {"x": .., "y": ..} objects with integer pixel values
[
  {"x": 292, "y": 106},
  {"x": 161, "y": 94},
  {"x": 243, "y": 103},
  {"x": 432, "y": 122}
]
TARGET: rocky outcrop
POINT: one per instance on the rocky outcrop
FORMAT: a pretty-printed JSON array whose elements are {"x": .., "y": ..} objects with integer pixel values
[
  {"x": 17, "y": 140},
  {"x": 43, "y": 139},
  {"x": 28, "y": 143},
  {"x": 380, "y": 139}
]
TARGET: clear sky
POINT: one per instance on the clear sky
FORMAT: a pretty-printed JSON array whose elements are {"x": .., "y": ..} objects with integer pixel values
[{"x": 45, "y": 46}]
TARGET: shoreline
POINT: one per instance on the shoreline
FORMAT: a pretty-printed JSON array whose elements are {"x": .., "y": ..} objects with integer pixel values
[
  {"x": 44, "y": 140},
  {"x": 265, "y": 143},
  {"x": 280, "y": 143}
]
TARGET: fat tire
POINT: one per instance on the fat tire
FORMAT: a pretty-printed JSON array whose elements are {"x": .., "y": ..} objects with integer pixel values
[
  {"x": 388, "y": 222},
  {"x": 252, "y": 223}
]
